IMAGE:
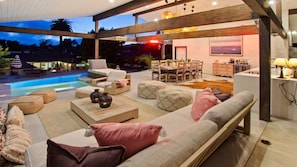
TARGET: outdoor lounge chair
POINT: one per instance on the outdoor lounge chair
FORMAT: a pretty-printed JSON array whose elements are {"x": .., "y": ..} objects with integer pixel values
[
  {"x": 98, "y": 68},
  {"x": 116, "y": 82}
]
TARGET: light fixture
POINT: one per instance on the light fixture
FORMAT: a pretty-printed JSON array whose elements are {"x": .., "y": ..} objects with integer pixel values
[
  {"x": 280, "y": 62},
  {"x": 293, "y": 64},
  {"x": 214, "y": 3}
]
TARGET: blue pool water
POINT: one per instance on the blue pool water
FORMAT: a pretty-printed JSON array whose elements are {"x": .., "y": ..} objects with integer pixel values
[{"x": 58, "y": 83}]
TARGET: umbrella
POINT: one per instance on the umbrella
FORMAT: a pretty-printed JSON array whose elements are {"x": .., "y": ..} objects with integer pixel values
[{"x": 16, "y": 62}]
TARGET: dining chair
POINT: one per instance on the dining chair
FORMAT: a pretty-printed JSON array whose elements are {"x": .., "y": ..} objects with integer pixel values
[
  {"x": 199, "y": 69},
  {"x": 177, "y": 74},
  {"x": 193, "y": 69},
  {"x": 157, "y": 73},
  {"x": 187, "y": 71}
]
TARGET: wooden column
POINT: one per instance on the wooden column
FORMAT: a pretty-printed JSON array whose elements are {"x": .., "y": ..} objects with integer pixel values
[
  {"x": 265, "y": 70},
  {"x": 136, "y": 22},
  {"x": 96, "y": 40}
]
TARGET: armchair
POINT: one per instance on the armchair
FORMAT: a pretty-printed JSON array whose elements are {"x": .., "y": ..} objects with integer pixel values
[{"x": 116, "y": 82}]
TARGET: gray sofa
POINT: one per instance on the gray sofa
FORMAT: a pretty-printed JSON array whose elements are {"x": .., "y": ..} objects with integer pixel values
[{"x": 183, "y": 142}]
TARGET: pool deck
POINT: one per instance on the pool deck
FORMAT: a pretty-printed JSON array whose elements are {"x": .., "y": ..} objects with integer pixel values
[{"x": 5, "y": 91}]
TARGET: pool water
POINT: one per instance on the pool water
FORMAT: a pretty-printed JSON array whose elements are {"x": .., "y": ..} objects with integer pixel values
[{"x": 59, "y": 83}]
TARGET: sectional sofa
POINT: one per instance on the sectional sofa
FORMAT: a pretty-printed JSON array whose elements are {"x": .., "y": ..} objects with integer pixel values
[{"x": 182, "y": 142}]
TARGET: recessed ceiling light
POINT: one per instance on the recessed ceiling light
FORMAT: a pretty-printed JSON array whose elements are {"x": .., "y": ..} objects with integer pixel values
[
  {"x": 111, "y": 1},
  {"x": 156, "y": 19},
  {"x": 214, "y": 3}
]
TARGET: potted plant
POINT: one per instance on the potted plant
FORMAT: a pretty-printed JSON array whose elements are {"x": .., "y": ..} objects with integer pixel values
[{"x": 4, "y": 62}]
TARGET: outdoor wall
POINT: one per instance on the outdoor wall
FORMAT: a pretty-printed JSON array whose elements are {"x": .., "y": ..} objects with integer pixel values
[{"x": 198, "y": 48}]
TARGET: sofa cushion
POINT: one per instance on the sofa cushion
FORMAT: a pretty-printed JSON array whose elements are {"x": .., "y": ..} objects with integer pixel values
[
  {"x": 202, "y": 103},
  {"x": 174, "y": 150},
  {"x": 66, "y": 155},
  {"x": 222, "y": 113},
  {"x": 17, "y": 140},
  {"x": 133, "y": 136},
  {"x": 97, "y": 63},
  {"x": 15, "y": 116}
]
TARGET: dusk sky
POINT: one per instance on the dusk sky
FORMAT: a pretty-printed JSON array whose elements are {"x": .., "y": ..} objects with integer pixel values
[{"x": 82, "y": 25}]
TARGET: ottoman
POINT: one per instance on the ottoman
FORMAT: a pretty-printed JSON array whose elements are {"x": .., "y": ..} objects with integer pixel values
[
  {"x": 48, "y": 95},
  {"x": 171, "y": 99},
  {"x": 85, "y": 91},
  {"x": 149, "y": 89},
  {"x": 28, "y": 104}
]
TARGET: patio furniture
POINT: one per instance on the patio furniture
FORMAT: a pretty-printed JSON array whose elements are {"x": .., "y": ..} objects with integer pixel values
[
  {"x": 85, "y": 91},
  {"x": 117, "y": 81},
  {"x": 119, "y": 111},
  {"x": 48, "y": 95},
  {"x": 199, "y": 69},
  {"x": 98, "y": 68},
  {"x": 149, "y": 89},
  {"x": 157, "y": 73},
  {"x": 28, "y": 104},
  {"x": 171, "y": 99},
  {"x": 176, "y": 73}
]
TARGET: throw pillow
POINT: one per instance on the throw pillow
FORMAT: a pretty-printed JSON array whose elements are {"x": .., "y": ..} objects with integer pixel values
[
  {"x": 65, "y": 155},
  {"x": 17, "y": 140},
  {"x": 15, "y": 116},
  {"x": 2, "y": 120},
  {"x": 135, "y": 137},
  {"x": 202, "y": 103}
]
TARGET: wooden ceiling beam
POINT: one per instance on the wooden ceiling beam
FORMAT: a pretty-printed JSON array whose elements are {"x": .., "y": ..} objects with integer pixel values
[
  {"x": 124, "y": 8},
  {"x": 224, "y": 15},
  {"x": 46, "y": 32},
  {"x": 258, "y": 7},
  {"x": 242, "y": 30},
  {"x": 163, "y": 7}
]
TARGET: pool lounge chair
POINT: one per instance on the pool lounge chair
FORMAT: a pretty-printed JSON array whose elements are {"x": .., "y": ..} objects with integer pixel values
[
  {"x": 98, "y": 68},
  {"x": 116, "y": 82}
]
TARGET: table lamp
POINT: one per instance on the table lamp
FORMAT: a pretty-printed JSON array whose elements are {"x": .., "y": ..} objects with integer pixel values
[
  {"x": 280, "y": 62},
  {"x": 293, "y": 64}
]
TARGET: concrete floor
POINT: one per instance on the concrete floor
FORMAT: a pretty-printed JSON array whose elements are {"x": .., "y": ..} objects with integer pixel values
[{"x": 281, "y": 134}]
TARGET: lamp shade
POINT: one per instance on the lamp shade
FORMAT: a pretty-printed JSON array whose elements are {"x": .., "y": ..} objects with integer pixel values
[
  {"x": 280, "y": 62},
  {"x": 292, "y": 62}
]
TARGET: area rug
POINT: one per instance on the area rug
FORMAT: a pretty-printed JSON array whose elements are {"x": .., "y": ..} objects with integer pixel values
[
  {"x": 224, "y": 85},
  {"x": 57, "y": 117}
]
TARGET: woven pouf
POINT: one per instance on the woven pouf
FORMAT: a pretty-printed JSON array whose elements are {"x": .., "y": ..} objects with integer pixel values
[
  {"x": 48, "y": 95},
  {"x": 85, "y": 91},
  {"x": 170, "y": 99},
  {"x": 28, "y": 104},
  {"x": 149, "y": 89}
]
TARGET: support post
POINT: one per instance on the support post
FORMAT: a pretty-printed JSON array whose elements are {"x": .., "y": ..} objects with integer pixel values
[
  {"x": 265, "y": 68},
  {"x": 96, "y": 40}
]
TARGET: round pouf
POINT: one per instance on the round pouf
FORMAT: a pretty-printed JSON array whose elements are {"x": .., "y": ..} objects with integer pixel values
[
  {"x": 170, "y": 99},
  {"x": 28, "y": 104},
  {"x": 149, "y": 89},
  {"x": 85, "y": 91},
  {"x": 48, "y": 95}
]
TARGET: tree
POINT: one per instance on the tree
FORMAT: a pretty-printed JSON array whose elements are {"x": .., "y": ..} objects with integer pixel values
[{"x": 62, "y": 25}]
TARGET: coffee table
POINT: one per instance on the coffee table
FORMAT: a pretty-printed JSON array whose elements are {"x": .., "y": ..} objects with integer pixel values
[{"x": 119, "y": 111}]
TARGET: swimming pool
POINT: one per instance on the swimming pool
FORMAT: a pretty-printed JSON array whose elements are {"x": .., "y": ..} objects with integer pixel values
[{"x": 58, "y": 83}]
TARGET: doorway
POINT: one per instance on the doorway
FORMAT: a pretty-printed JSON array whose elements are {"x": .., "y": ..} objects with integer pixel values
[{"x": 180, "y": 53}]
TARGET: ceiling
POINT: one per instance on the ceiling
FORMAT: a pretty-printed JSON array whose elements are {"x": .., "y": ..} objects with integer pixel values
[{"x": 25, "y": 10}]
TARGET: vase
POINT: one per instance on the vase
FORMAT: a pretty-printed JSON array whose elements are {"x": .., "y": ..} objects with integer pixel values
[
  {"x": 105, "y": 100},
  {"x": 94, "y": 96}
]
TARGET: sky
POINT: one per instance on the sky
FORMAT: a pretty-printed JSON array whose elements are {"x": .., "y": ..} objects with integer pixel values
[{"x": 81, "y": 25}]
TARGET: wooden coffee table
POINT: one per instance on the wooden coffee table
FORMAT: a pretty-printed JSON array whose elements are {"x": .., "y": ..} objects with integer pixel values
[{"x": 119, "y": 111}]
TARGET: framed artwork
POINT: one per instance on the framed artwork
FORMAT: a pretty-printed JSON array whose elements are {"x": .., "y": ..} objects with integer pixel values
[{"x": 226, "y": 46}]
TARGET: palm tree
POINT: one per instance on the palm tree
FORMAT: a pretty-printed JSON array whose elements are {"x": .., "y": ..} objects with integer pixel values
[{"x": 62, "y": 25}]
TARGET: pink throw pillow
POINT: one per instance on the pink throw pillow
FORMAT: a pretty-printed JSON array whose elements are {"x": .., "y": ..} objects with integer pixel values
[
  {"x": 134, "y": 136},
  {"x": 202, "y": 103}
]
